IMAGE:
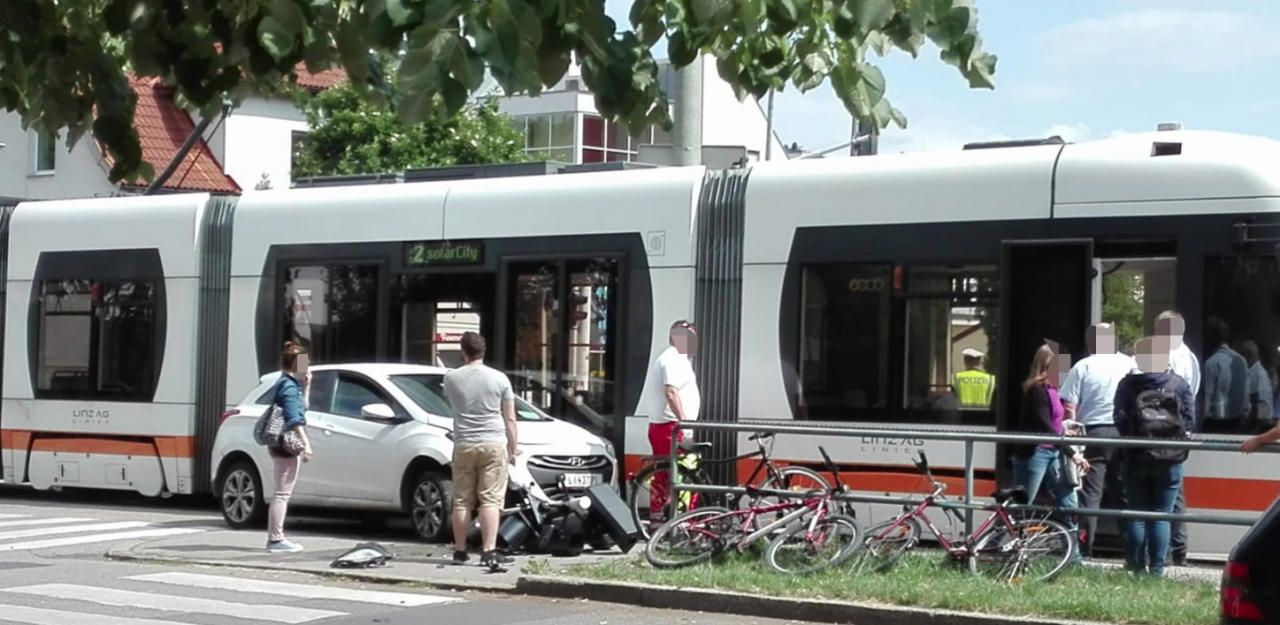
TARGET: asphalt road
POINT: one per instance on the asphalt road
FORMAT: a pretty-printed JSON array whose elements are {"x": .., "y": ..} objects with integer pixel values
[{"x": 52, "y": 572}]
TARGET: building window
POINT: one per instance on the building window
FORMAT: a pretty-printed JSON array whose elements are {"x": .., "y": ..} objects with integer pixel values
[
  {"x": 844, "y": 340},
  {"x": 610, "y": 141},
  {"x": 1244, "y": 294},
  {"x": 96, "y": 339},
  {"x": 46, "y": 152},
  {"x": 950, "y": 341},
  {"x": 549, "y": 137},
  {"x": 331, "y": 311}
]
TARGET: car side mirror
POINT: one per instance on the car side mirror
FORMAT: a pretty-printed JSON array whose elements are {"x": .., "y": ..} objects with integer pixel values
[{"x": 378, "y": 412}]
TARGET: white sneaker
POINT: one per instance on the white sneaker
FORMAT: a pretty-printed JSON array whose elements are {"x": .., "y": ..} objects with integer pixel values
[{"x": 283, "y": 546}]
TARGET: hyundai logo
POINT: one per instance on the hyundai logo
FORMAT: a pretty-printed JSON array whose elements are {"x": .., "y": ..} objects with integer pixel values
[{"x": 575, "y": 461}]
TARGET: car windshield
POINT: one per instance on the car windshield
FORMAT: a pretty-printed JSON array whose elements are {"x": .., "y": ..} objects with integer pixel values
[{"x": 427, "y": 390}]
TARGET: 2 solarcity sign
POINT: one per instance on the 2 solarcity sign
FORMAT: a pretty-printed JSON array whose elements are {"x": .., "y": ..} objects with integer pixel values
[{"x": 436, "y": 253}]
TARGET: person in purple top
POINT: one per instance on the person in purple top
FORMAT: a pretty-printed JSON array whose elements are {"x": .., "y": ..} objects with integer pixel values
[{"x": 1035, "y": 466}]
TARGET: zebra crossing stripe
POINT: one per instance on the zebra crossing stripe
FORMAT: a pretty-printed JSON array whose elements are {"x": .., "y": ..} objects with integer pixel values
[
  {"x": 175, "y": 603},
  {"x": 71, "y": 529},
  {"x": 297, "y": 591},
  {"x": 97, "y": 538},
  {"x": 43, "y": 616},
  {"x": 42, "y": 521}
]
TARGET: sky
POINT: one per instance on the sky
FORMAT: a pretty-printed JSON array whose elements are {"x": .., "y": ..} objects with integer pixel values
[{"x": 1082, "y": 69}]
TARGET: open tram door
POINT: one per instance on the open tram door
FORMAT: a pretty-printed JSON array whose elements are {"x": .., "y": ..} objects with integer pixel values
[{"x": 1046, "y": 291}]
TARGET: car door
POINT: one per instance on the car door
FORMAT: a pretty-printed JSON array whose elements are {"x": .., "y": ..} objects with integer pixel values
[
  {"x": 319, "y": 396},
  {"x": 359, "y": 463}
]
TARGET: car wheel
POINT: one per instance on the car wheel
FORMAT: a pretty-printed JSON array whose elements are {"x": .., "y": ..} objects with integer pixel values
[
  {"x": 240, "y": 496},
  {"x": 430, "y": 505}
]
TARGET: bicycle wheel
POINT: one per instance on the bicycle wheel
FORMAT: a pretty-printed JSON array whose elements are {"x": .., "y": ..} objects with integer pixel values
[
  {"x": 640, "y": 489},
  {"x": 798, "y": 551},
  {"x": 1034, "y": 550},
  {"x": 798, "y": 479},
  {"x": 884, "y": 544},
  {"x": 690, "y": 538}
]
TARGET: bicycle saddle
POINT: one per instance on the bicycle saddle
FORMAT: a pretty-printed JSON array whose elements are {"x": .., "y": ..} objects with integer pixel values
[
  {"x": 1018, "y": 494},
  {"x": 688, "y": 446}
]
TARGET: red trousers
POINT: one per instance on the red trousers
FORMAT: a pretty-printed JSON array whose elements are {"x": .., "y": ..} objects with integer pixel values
[{"x": 660, "y": 442}]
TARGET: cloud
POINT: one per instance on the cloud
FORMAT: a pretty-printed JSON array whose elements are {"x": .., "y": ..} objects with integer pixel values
[
  {"x": 1038, "y": 93},
  {"x": 1191, "y": 41},
  {"x": 1071, "y": 133},
  {"x": 936, "y": 133}
]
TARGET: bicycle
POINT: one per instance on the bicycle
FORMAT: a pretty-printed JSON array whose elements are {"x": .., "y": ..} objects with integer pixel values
[
  {"x": 707, "y": 532},
  {"x": 1001, "y": 547},
  {"x": 691, "y": 470}
]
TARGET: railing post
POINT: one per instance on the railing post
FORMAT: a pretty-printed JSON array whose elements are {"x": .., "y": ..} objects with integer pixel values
[
  {"x": 673, "y": 473},
  {"x": 968, "y": 499}
]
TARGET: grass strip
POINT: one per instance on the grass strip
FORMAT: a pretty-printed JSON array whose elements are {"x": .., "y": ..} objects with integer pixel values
[{"x": 929, "y": 581}]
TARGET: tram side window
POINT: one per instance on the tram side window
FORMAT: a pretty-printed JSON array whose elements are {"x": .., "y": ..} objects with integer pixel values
[
  {"x": 1243, "y": 293},
  {"x": 331, "y": 310},
  {"x": 96, "y": 340},
  {"x": 844, "y": 340},
  {"x": 950, "y": 341}
]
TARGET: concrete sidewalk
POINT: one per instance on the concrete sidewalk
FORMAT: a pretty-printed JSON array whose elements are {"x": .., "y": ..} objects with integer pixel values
[{"x": 414, "y": 563}]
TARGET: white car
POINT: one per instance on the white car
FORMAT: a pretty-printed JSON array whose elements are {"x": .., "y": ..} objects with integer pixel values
[{"x": 381, "y": 434}]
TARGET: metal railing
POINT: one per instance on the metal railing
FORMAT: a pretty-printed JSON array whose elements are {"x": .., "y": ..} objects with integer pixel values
[{"x": 969, "y": 439}]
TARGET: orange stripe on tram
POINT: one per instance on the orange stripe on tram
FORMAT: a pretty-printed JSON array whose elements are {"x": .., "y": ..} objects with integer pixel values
[{"x": 164, "y": 446}]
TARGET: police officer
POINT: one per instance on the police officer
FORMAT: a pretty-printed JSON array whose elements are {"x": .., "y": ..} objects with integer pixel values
[{"x": 974, "y": 385}]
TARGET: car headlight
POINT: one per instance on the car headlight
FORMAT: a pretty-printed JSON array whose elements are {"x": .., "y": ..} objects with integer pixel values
[{"x": 608, "y": 449}]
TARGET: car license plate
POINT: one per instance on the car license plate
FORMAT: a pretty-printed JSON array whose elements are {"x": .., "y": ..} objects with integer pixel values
[{"x": 578, "y": 480}]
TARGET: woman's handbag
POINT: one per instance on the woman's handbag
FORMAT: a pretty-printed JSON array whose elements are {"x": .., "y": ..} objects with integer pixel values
[
  {"x": 269, "y": 427},
  {"x": 291, "y": 443}
]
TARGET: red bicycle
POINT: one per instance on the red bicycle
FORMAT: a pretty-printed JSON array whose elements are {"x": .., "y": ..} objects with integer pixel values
[
  {"x": 1002, "y": 547},
  {"x": 812, "y": 534}
]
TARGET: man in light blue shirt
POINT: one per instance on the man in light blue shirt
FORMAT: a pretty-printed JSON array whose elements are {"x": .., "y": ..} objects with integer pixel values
[
  {"x": 1226, "y": 380},
  {"x": 1088, "y": 394}
]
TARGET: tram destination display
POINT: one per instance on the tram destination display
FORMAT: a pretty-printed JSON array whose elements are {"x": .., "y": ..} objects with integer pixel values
[{"x": 437, "y": 253}]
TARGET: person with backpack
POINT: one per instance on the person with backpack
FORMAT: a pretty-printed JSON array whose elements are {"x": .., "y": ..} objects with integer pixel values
[{"x": 1152, "y": 403}]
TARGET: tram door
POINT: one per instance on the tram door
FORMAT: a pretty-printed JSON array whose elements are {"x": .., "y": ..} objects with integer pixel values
[
  {"x": 1046, "y": 292},
  {"x": 562, "y": 337},
  {"x": 434, "y": 310}
]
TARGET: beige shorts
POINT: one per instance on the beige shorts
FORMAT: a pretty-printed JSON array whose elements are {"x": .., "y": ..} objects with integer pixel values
[{"x": 479, "y": 475}]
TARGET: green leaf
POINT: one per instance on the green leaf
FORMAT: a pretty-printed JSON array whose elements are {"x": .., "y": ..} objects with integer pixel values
[
  {"x": 898, "y": 117},
  {"x": 290, "y": 16},
  {"x": 399, "y": 11},
  {"x": 712, "y": 12},
  {"x": 275, "y": 38},
  {"x": 873, "y": 14},
  {"x": 872, "y": 84},
  {"x": 679, "y": 50},
  {"x": 455, "y": 96},
  {"x": 982, "y": 71},
  {"x": 879, "y": 42},
  {"x": 752, "y": 13}
]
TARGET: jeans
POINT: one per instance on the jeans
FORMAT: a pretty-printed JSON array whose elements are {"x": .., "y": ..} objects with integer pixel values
[
  {"x": 1041, "y": 469},
  {"x": 286, "y": 469},
  {"x": 1178, "y": 529},
  {"x": 1104, "y": 479},
  {"x": 1150, "y": 487}
]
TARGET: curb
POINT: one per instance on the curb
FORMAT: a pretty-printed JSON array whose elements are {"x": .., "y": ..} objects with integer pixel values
[
  {"x": 646, "y": 595},
  {"x": 351, "y": 575},
  {"x": 725, "y": 602}
]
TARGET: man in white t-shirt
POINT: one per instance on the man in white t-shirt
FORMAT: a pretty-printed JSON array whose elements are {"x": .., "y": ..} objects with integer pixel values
[
  {"x": 1088, "y": 395},
  {"x": 673, "y": 398}
]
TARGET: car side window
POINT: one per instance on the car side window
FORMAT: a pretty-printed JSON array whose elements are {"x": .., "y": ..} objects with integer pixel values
[
  {"x": 320, "y": 395},
  {"x": 354, "y": 393}
]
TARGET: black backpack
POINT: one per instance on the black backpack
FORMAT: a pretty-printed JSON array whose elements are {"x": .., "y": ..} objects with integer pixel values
[{"x": 1158, "y": 416}]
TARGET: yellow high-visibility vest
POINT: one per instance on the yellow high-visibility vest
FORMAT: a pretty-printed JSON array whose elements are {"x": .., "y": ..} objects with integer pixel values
[{"x": 975, "y": 388}]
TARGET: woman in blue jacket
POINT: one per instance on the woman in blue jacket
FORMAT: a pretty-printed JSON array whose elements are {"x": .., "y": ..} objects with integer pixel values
[{"x": 289, "y": 398}]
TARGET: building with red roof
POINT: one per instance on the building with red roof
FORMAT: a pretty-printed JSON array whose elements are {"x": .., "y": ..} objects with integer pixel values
[{"x": 252, "y": 147}]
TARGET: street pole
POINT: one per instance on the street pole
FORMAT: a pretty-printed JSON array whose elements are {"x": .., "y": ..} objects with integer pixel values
[
  {"x": 871, "y": 134},
  {"x": 688, "y": 114},
  {"x": 768, "y": 129}
]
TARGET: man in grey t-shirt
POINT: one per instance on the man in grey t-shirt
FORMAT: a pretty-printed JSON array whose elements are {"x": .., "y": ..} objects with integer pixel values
[{"x": 484, "y": 443}]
